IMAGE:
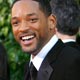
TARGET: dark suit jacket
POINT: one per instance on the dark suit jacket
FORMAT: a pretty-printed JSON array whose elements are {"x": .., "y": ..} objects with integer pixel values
[
  {"x": 61, "y": 63},
  {"x": 4, "y": 67},
  {"x": 73, "y": 44}
]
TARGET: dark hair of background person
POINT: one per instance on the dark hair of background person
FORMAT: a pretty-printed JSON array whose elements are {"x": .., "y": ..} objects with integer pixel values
[
  {"x": 68, "y": 16},
  {"x": 44, "y": 6}
]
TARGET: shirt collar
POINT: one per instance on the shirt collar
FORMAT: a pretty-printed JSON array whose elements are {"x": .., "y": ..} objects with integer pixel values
[
  {"x": 68, "y": 40},
  {"x": 41, "y": 55}
]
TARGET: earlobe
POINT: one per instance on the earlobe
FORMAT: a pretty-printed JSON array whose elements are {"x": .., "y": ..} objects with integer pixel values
[{"x": 52, "y": 27}]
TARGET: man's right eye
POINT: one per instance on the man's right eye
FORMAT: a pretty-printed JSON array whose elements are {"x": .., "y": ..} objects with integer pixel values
[{"x": 15, "y": 23}]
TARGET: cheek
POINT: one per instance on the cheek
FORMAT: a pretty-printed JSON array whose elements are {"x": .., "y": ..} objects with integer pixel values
[
  {"x": 40, "y": 28},
  {"x": 43, "y": 31},
  {"x": 15, "y": 32},
  {"x": 44, "y": 34}
]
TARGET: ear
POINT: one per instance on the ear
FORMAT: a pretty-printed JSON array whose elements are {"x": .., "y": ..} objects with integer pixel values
[{"x": 52, "y": 22}]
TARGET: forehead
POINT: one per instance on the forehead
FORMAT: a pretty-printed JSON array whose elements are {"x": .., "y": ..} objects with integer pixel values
[{"x": 25, "y": 6}]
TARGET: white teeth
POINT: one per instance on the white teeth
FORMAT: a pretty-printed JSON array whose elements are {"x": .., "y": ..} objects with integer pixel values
[{"x": 27, "y": 37}]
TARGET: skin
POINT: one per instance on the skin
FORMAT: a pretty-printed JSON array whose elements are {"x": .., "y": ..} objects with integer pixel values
[{"x": 29, "y": 21}]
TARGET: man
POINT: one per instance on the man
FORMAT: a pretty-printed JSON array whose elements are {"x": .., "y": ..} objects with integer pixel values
[
  {"x": 4, "y": 67},
  {"x": 68, "y": 19},
  {"x": 34, "y": 29}
]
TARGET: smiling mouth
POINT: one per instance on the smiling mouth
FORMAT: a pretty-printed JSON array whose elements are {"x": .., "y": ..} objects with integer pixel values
[{"x": 27, "y": 37}]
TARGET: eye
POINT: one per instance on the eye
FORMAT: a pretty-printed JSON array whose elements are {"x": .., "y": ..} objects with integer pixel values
[
  {"x": 15, "y": 23},
  {"x": 33, "y": 20}
]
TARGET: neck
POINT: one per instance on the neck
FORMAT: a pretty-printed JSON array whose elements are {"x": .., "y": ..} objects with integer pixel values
[{"x": 63, "y": 36}]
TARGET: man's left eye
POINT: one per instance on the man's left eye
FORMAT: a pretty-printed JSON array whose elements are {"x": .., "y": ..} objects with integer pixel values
[{"x": 33, "y": 20}]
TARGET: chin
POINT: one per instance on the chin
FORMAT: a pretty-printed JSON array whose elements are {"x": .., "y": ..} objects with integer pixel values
[{"x": 29, "y": 50}]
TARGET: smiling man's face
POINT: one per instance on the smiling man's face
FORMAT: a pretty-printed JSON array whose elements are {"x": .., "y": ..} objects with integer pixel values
[{"x": 30, "y": 26}]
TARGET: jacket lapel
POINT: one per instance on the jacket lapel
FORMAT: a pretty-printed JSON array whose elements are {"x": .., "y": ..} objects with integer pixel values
[
  {"x": 45, "y": 71},
  {"x": 26, "y": 73},
  {"x": 46, "y": 68}
]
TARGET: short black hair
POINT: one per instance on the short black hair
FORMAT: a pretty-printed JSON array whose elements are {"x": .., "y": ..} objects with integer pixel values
[
  {"x": 68, "y": 16},
  {"x": 44, "y": 6}
]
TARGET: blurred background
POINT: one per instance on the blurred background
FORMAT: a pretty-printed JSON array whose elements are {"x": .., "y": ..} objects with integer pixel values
[{"x": 16, "y": 57}]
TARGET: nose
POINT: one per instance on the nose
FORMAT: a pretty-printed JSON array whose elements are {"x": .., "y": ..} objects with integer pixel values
[{"x": 24, "y": 26}]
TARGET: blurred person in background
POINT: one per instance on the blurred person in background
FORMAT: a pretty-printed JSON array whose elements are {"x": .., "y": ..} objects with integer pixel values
[
  {"x": 68, "y": 19},
  {"x": 78, "y": 37},
  {"x": 4, "y": 66}
]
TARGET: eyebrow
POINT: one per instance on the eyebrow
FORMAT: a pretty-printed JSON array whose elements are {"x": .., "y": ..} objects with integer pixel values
[{"x": 31, "y": 14}]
